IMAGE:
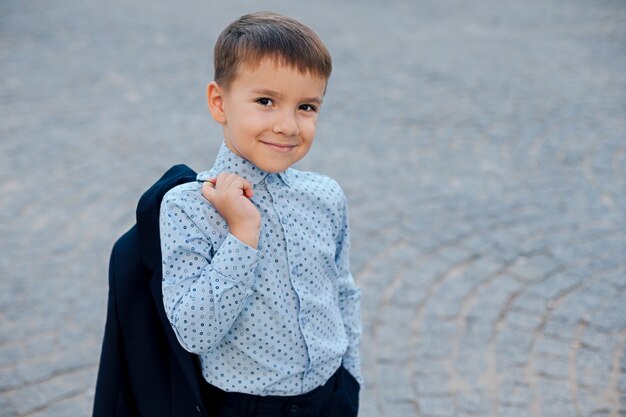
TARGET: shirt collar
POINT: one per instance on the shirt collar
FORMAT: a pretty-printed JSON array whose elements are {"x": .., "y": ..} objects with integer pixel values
[{"x": 228, "y": 161}]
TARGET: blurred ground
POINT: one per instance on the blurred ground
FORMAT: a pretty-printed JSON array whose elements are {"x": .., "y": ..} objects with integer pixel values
[{"x": 482, "y": 146}]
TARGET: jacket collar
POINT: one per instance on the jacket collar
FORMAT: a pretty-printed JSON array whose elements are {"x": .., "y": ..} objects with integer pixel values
[{"x": 148, "y": 210}]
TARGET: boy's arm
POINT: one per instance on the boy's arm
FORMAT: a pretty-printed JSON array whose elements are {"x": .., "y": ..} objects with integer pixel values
[
  {"x": 204, "y": 287},
  {"x": 349, "y": 299}
]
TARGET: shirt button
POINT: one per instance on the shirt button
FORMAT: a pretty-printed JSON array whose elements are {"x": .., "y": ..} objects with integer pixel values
[
  {"x": 270, "y": 179},
  {"x": 295, "y": 270},
  {"x": 284, "y": 220}
]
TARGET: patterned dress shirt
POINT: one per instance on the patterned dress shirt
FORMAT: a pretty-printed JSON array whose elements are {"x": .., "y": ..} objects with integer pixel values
[{"x": 276, "y": 320}]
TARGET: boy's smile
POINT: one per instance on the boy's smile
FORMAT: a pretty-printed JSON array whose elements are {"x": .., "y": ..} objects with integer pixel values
[{"x": 268, "y": 113}]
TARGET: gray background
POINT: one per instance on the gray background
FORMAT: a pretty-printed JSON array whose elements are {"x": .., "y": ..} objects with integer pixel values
[{"x": 482, "y": 146}]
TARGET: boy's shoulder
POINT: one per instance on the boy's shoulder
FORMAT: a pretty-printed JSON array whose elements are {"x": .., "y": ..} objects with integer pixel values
[
  {"x": 184, "y": 194},
  {"x": 308, "y": 178},
  {"x": 309, "y": 182},
  {"x": 314, "y": 182}
]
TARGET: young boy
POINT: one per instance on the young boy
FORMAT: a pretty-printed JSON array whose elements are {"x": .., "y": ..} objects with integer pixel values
[{"x": 256, "y": 277}]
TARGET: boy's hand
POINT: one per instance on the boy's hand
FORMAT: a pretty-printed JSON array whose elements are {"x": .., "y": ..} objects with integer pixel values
[{"x": 230, "y": 194}]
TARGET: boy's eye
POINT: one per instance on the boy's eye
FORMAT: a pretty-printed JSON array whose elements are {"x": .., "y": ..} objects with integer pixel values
[
  {"x": 308, "y": 107},
  {"x": 265, "y": 101}
]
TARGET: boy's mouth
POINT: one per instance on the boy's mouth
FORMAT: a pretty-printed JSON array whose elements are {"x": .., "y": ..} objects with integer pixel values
[{"x": 279, "y": 147}]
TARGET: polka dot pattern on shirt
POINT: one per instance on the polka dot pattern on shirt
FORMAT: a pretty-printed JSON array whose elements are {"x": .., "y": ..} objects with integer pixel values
[{"x": 276, "y": 320}]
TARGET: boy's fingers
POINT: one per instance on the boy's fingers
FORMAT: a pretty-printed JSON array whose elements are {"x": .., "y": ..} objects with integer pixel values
[
  {"x": 244, "y": 185},
  {"x": 224, "y": 180},
  {"x": 228, "y": 180},
  {"x": 208, "y": 190},
  {"x": 248, "y": 191}
]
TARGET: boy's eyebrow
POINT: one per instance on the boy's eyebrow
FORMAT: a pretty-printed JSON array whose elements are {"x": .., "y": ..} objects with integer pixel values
[{"x": 276, "y": 94}]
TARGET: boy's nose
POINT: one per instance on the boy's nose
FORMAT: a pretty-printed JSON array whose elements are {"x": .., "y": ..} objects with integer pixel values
[{"x": 286, "y": 124}]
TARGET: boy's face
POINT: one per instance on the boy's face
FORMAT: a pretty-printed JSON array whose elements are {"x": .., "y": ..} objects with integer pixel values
[{"x": 268, "y": 113}]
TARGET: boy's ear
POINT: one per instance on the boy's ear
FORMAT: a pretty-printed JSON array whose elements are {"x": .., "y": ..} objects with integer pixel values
[{"x": 215, "y": 97}]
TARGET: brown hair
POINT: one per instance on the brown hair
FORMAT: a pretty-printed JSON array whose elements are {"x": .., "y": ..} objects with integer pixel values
[{"x": 255, "y": 36}]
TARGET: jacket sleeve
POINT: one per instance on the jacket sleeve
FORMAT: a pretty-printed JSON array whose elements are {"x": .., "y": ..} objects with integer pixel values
[
  {"x": 111, "y": 396},
  {"x": 204, "y": 287},
  {"x": 349, "y": 298}
]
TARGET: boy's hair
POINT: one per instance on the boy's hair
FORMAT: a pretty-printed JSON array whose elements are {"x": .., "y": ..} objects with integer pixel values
[{"x": 255, "y": 36}]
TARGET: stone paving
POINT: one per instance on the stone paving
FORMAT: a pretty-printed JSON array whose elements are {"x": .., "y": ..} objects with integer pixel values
[{"x": 482, "y": 146}]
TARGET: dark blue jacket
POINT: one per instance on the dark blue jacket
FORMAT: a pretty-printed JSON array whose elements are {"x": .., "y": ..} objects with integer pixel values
[{"x": 144, "y": 371}]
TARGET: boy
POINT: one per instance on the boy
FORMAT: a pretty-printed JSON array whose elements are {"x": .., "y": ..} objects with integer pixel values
[{"x": 256, "y": 276}]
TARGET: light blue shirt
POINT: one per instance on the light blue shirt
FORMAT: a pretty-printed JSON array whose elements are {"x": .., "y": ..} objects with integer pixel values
[{"x": 277, "y": 320}]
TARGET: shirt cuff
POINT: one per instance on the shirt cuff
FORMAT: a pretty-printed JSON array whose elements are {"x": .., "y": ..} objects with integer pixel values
[{"x": 236, "y": 260}]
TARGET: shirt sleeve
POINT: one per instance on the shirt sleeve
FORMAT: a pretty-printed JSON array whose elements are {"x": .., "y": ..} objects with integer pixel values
[
  {"x": 349, "y": 298},
  {"x": 204, "y": 287}
]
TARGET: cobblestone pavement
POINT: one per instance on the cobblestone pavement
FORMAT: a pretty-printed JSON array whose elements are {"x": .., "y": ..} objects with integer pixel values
[{"x": 482, "y": 146}]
